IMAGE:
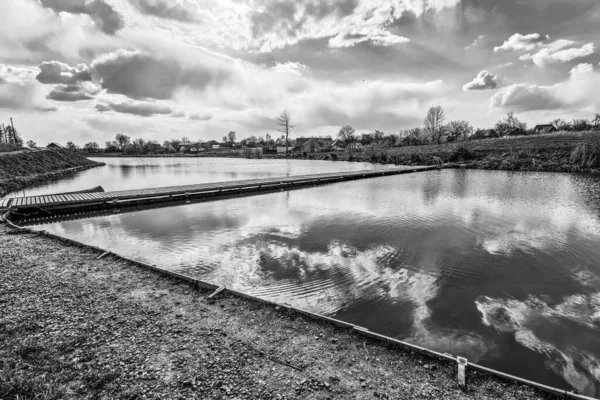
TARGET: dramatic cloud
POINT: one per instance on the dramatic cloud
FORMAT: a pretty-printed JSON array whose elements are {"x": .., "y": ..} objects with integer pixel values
[
  {"x": 47, "y": 109},
  {"x": 290, "y": 68},
  {"x": 345, "y": 23},
  {"x": 72, "y": 92},
  {"x": 140, "y": 75},
  {"x": 483, "y": 81},
  {"x": 518, "y": 42},
  {"x": 577, "y": 92},
  {"x": 57, "y": 72},
  {"x": 180, "y": 10},
  {"x": 102, "y": 13},
  {"x": 141, "y": 108}
]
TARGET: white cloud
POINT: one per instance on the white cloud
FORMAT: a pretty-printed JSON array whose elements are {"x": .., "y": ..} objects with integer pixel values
[
  {"x": 15, "y": 75},
  {"x": 483, "y": 81},
  {"x": 519, "y": 42},
  {"x": 577, "y": 92},
  {"x": 476, "y": 42},
  {"x": 555, "y": 53},
  {"x": 103, "y": 14},
  {"x": 290, "y": 67}
]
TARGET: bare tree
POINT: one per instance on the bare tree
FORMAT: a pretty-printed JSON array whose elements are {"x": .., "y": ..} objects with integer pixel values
[
  {"x": 434, "y": 124},
  {"x": 460, "y": 130},
  {"x": 284, "y": 120},
  {"x": 231, "y": 136},
  {"x": 346, "y": 134},
  {"x": 596, "y": 122}
]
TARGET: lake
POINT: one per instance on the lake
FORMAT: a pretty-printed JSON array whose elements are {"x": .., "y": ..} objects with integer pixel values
[{"x": 500, "y": 267}]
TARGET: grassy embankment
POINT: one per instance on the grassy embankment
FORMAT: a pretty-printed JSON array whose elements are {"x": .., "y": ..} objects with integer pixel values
[
  {"x": 556, "y": 152},
  {"x": 23, "y": 168},
  {"x": 74, "y": 325}
]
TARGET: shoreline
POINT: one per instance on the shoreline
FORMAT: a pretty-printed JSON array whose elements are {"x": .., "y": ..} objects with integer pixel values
[
  {"x": 111, "y": 311},
  {"x": 22, "y": 169},
  {"x": 561, "y": 152}
]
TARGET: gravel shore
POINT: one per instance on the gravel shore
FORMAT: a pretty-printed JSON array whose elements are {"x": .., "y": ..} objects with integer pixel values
[{"x": 75, "y": 326}]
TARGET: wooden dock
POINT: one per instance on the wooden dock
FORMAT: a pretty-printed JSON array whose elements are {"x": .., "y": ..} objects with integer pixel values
[{"x": 47, "y": 205}]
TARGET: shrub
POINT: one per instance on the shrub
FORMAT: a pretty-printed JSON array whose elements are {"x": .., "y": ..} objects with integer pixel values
[
  {"x": 461, "y": 153},
  {"x": 586, "y": 155}
]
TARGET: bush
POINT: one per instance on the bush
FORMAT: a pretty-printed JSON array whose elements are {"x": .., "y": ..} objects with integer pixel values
[
  {"x": 586, "y": 155},
  {"x": 460, "y": 154}
]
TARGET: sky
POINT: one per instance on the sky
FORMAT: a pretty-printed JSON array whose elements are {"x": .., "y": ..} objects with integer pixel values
[{"x": 85, "y": 70}]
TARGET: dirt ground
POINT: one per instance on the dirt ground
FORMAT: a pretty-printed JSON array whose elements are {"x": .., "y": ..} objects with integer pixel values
[{"x": 75, "y": 326}]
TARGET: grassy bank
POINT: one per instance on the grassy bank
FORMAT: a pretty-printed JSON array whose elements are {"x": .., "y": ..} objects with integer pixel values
[
  {"x": 557, "y": 152},
  {"x": 24, "y": 168},
  {"x": 75, "y": 326}
]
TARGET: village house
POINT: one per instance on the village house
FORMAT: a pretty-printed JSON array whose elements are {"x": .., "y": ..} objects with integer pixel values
[
  {"x": 484, "y": 134},
  {"x": 545, "y": 128},
  {"x": 54, "y": 146},
  {"x": 337, "y": 145},
  {"x": 307, "y": 145}
]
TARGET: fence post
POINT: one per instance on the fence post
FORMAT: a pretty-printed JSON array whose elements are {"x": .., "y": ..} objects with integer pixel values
[{"x": 462, "y": 366}]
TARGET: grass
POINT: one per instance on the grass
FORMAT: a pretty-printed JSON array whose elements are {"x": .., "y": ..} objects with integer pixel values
[{"x": 557, "y": 152}]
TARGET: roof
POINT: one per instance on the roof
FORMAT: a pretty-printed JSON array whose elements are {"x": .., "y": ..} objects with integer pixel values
[
  {"x": 545, "y": 128},
  {"x": 54, "y": 144}
]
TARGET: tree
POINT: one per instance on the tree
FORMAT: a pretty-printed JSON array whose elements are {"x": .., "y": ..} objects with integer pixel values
[
  {"x": 231, "y": 136},
  {"x": 185, "y": 140},
  {"x": 224, "y": 138},
  {"x": 111, "y": 146},
  {"x": 596, "y": 122},
  {"x": 580, "y": 124},
  {"x": 284, "y": 121},
  {"x": 31, "y": 144},
  {"x": 72, "y": 146},
  {"x": 91, "y": 147},
  {"x": 434, "y": 124},
  {"x": 123, "y": 140},
  {"x": 561, "y": 124},
  {"x": 346, "y": 134},
  {"x": 460, "y": 130},
  {"x": 509, "y": 123}
]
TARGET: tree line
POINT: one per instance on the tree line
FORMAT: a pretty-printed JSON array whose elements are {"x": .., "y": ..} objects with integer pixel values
[{"x": 434, "y": 130}]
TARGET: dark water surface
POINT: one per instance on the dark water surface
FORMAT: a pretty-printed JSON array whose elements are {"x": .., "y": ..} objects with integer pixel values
[{"x": 500, "y": 267}]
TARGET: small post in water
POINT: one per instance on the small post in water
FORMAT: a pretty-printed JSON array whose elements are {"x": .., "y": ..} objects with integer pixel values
[{"x": 462, "y": 366}]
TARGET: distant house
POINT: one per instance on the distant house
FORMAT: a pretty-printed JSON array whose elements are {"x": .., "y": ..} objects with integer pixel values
[
  {"x": 516, "y": 132},
  {"x": 215, "y": 146},
  {"x": 283, "y": 149},
  {"x": 308, "y": 145},
  {"x": 484, "y": 134},
  {"x": 355, "y": 146},
  {"x": 337, "y": 145},
  {"x": 545, "y": 128},
  {"x": 54, "y": 146}
]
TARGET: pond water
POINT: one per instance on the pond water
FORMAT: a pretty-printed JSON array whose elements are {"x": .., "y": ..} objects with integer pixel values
[{"x": 500, "y": 267}]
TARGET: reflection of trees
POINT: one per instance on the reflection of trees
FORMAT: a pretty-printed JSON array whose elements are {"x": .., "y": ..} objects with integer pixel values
[{"x": 432, "y": 187}]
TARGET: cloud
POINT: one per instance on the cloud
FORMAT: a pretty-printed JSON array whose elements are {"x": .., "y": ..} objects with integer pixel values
[
  {"x": 58, "y": 72},
  {"x": 178, "y": 114},
  {"x": 483, "y": 81},
  {"x": 72, "y": 92},
  {"x": 47, "y": 109},
  {"x": 290, "y": 68},
  {"x": 377, "y": 38},
  {"x": 141, "y": 108},
  {"x": 200, "y": 117},
  {"x": 553, "y": 53},
  {"x": 519, "y": 42},
  {"x": 577, "y": 92},
  {"x": 103, "y": 14},
  {"x": 476, "y": 42},
  {"x": 142, "y": 75},
  {"x": 344, "y": 23},
  {"x": 545, "y": 52},
  {"x": 179, "y": 10},
  {"x": 14, "y": 75},
  {"x": 103, "y": 107}
]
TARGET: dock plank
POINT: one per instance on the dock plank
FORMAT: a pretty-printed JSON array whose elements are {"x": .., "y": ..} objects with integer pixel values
[{"x": 181, "y": 192}]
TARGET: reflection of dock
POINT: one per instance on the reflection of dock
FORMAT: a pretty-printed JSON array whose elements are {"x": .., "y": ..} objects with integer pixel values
[{"x": 45, "y": 207}]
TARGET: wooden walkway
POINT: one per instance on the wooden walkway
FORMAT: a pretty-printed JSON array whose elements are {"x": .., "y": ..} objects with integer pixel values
[{"x": 70, "y": 201}]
